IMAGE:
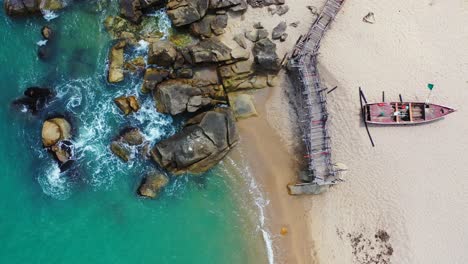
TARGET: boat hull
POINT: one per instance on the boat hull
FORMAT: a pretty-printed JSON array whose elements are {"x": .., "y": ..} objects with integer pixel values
[{"x": 404, "y": 113}]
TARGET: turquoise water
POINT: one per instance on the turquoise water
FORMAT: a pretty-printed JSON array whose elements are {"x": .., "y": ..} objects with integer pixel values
[{"x": 91, "y": 213}]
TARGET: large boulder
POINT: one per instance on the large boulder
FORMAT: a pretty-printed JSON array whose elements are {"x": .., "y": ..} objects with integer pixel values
[
  {"x": 184, "y": 12},
  {"x": 210, "y": 50},
  {"x": 265, "y": 55},
  {"x": 127, "y": 104},
  {"x": 210, "y": 25},
  {"x": 51, "y": 4},
  {"x": 152, "y": 185},
  {"x": 162, "y": 53},
  {"x": 54, "y": 130},
  {"x": 201, "y": 144},
  {"x": 153, "y": 76},
  {"x": 187, "y": 95},
  {"x": 131, "y": 10},
  {"x": 116, "y": 62}
]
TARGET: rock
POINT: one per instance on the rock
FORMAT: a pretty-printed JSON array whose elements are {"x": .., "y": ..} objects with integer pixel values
[
  {"x": 128, "y": 104},
  {"x": 35, "y": 98},
  {"x": 256, "y": 35},
  {"x": 235, "y": 5},
  {"x": 283, "y": 37},
  {"x": 131, "y": 10},
  {"x": 262, "y": 3},
  {"x": 30, "y": 7},
  {"x": 187, "y": 95},
  {"x": 210, "y": 51},
  {"x": 240, "y": 75},
  {"x": 313, "y": 10},
  {"x": 184, "y": 12},
  {"x": 162, "y": 53},
  {"x": 116, "y": 62},
  {"x": 122, "y": 29},
  {"x": 281, "y": 10},
  {"x": 46, "y": 32},
  {"x": 242, "y": 105},
  {"x": 265, "y": 55},
  {"x": 295, "y": 24},
  {"x": 210, "y": 25},
  {"x": 279, "y": 30},
  {"x": 152, "y": 184},
  {"x": 239, "y": 39},
  {"x": 258, "y": 25},
  {"x": 51, "y": 4},
  {"x": 131, "y": 136},
  {"x": 185, "y": 73},
  {"x": 138, "y": 64},
  {"x": 201, "y": 144},
  {"x": 152, "y": 77},
  {"x": 54, "y": 130},
  {"x": 369, "y": 18},
  {"x": 63, "y": 151},
  {"x": 121, "y": 150}
]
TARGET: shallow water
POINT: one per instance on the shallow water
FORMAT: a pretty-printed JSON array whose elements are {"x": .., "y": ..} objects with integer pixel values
[{"x": 91, "y": 213}]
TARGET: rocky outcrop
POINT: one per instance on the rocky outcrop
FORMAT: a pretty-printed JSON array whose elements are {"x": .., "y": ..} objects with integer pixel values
[
  {"x": 162, "y": 53},
  {"x": 187, "y": 95},
  {"x": 201, "y": 144},
  {"x": 152, "y": 185},
  {"x": 210, "y": 25},
  {"x": 55, "y": 130},
  {"x": 265, "y": 55},
  {"x": 29, "y": 7},
  {"x": 127, "y": 104},
  {"x": 131, "y": 10},
  {"x": 124, "y": 145},
  {"x": 184, "y": 12},
  {"x": 153, "y": 76},
  {"x": 116, "y": 62}
]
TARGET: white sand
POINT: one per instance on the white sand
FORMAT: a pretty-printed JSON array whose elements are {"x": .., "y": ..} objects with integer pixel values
[{"x": 413, "y": 184}]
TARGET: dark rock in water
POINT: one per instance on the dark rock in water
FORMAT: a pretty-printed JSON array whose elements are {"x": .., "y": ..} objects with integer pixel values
[
  {"x": 21, "y": 7},
  {"x": 162, "y": 53},
  {"x": 121, "y": 150},
  {"x": 37, "y": 92},
  {"x": 184, "y": 73},
  {"x": 127, "y": 104},
  {"x": 265, "y": 55},
  {"x": 44, "y": 52},
  {"x": 279, "y": 30},
  {"x": 210, "y": 25},
  {"x": 131, "y": 136},
  {"x": 152, "y": 185},
  {"x": 135, "y": 65},
  {"x": 201, "y": 144},
  {"x": 131, "y": 9},
  {"x": 184, "y": 12},
  {"x": 64, "y": 153},
  {"x": 35, "y": 98},
  {"x": 55, "y": 130},
  {"x": 152, "y": 77},
  {"x": 46, "y": 32},
  {"x": 116, "y": 62}
]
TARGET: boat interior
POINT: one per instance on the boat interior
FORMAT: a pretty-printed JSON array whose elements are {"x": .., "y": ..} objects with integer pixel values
[{"x": 397, "y": 112}]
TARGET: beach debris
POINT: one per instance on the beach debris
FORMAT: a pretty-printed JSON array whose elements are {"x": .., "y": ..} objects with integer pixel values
[
  {"x": 281, "y": 10},
  {"x": 265, "y": 55},
  {"x": 201, "y": 144},
  {"x": 127, "y": 104},
  {"x": 233, "y": 5},
  {"x": 369, "y": 18},
  {"x": 242, "y": 105},
  {"x": 121, "y": 150},
  {"x": 116, "y": 62},
  {"x": 284, "y": 231},
  {"x": 239, "y": 39},
  {"x": 279, "y": 30},
  {"x": 131, "y": 136},
  {"x": 294, "y": 24},
  {"x": 258, "y": 25},
  {"x": 313, "y": 9},
  {"x": 152, "y": 185}
]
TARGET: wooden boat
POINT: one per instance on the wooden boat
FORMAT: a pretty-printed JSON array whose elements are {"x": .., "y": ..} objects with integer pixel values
[{"x": 406, "y": 113}]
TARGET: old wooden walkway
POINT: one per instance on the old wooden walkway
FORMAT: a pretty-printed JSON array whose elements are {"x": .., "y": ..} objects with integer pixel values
[{"x": 310, "y": 102}]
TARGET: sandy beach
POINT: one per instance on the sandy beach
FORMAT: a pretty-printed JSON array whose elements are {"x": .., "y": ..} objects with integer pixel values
[{"x": 403, "y": 201}]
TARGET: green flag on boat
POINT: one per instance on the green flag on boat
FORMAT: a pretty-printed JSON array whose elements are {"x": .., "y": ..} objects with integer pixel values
[{"x": 430, "y": 86}]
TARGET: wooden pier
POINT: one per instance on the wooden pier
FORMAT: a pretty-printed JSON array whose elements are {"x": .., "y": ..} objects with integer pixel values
[{"x": 310, "y": 102}]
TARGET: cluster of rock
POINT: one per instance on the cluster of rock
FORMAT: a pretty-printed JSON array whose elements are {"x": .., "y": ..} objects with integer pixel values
[
  {"x": 34, "y": 99},
  {"x": 127, "y": 104},
  {"x": 28, "y": 7},
  {"x": 56, "y": 136},
  {"x": 129, "y": 142}
]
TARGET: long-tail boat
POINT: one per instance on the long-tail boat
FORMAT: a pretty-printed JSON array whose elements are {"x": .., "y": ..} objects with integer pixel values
[{"x": 404, "y": 113}]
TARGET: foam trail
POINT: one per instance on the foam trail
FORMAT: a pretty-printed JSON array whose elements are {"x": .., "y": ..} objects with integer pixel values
[
  {"x": 260, "y": 202},
  {"x": 49, "y": 14},
  {"x": 53, "y": 183}
]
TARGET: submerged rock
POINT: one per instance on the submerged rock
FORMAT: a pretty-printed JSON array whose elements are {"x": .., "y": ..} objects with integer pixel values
[
  {"x": 152, "y": 185},
  {"x": 242, "y": 105},
  {"x": 135, "y": 65},
  {"x": 201, "y": 144},
  {"x": 116, "y": 62},
  {"x": 55, "y": 130},
  {"x": 184, "y": 12}
]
